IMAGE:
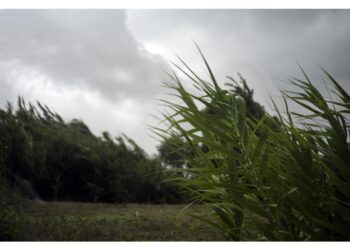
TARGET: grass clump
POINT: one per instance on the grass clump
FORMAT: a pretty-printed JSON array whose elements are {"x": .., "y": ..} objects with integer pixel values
[{"x": 283, "y": 177}]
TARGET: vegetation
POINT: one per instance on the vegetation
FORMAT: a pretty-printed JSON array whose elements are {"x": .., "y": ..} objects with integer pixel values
[
  {"x": 10, "y": 219},
  {"x": 283, "y": 177},
  {"x": 53, "y": 160},
  {"x": 173, "y": 150},
  {"x": 44, "y": 158},
  {"x": 68, "y": 221}
]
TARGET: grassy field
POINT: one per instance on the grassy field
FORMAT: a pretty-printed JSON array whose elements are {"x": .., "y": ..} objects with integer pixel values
[{"x": 67, "y": 221}]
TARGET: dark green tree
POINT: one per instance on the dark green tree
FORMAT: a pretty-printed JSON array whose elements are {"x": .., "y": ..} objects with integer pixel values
[
  {"x": 66, "y": 161},
  {"x": 173, "y": 151}
]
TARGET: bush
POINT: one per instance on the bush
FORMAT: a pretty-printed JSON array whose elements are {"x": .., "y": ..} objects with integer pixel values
[{"x": 10, "y": 220}]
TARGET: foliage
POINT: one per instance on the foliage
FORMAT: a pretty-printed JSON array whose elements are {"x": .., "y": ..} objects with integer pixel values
[
  {"x": 66, "y": 161},
  {"x": 173, "y": 152},
  {"x": 240, "y": 88},
  {"x": 265, "y": 177},
  {"x": 10, "y": 219}
]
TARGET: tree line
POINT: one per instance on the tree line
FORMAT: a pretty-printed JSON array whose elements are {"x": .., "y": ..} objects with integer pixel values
[{"x": 66, "y": 161}]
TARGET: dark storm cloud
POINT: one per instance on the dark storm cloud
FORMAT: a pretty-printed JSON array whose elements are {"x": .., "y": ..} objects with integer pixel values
[
  {"x": 103, "y": 66},
  {"x": 6, "y": 92},
  {"x": 83, "y": 64},
  {"x": 264, "y": 45},
  {"x": 90, "y": 49}
]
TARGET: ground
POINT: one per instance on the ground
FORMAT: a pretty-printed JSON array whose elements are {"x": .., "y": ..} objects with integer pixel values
[{"x": 68, "y": 221}]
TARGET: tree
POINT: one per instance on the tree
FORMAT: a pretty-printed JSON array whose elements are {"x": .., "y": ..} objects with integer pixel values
[
  {"x": 174, "y": 152},
  {"x": 66, "y": 161}
]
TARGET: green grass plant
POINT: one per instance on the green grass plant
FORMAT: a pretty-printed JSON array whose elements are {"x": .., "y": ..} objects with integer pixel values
[{"x": 282, "y": 177}]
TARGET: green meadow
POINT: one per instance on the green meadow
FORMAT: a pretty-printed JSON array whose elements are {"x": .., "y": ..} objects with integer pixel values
[{"x": 72, "y": 221}]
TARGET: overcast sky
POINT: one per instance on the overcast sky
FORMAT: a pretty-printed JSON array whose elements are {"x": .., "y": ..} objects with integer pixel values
[{"x": 105, "y": 67}]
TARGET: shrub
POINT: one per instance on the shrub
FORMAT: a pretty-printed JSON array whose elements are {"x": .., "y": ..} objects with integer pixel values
[{"x": 10, "y": 220}]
